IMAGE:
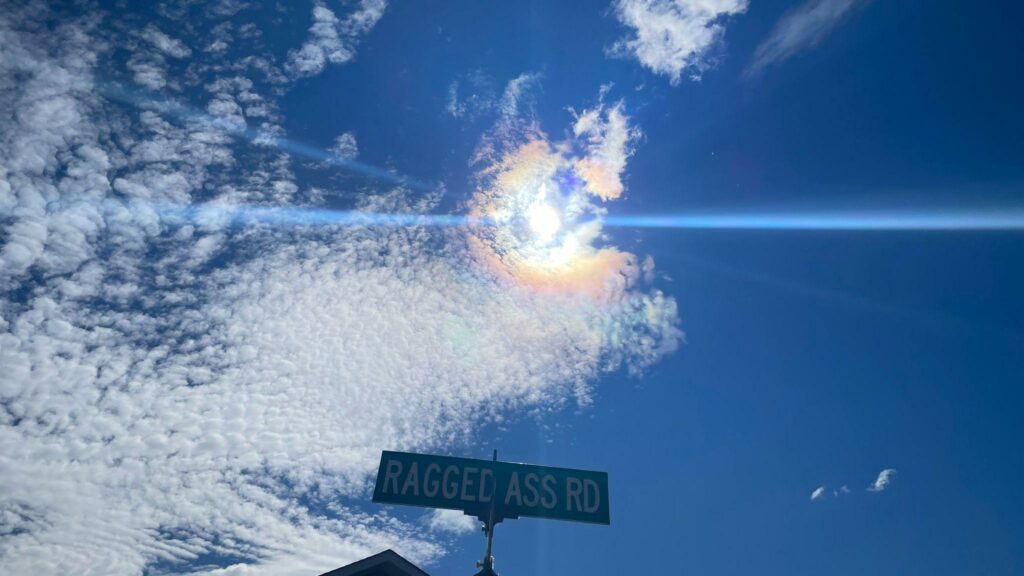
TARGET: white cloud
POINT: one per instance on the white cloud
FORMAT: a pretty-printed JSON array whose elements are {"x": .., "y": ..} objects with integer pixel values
[
  {"x": 345, "y": 147},
  {"x": 884, "y": 479},
  {"x": 454, "y": 107},
  {"x": 149, "y": 63},
  {"x": 226, "y": 8},
  {"x": 471, "y": 96},
  {"x": 514, "y": 117},
  {"x": 107, "y": 463},
  {"x": 159, "y": 404},
  {"x": 451, "y": 521},
  {"x": 673, "y": 36},
  {"x": 164, "y": 43},
  {"x": 148, "y": 72},
  {"x": 610, "y": 139},
  {"x": 516, "y": 92},
  {"x": 800, "y": 29},
  {"x": 333, "y": 40}
]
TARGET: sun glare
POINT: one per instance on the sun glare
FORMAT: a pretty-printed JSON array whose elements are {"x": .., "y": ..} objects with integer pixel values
[{"x": 544, "y": 222}]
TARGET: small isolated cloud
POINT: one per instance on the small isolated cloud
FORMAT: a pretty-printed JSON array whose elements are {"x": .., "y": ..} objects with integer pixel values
[
  {"x": 345, "y": 147},
  {"x": 821, "y": 492},
  {"x": 885, "y": 478},
  {"x": 800, "y": 29},
  {"x": 333, "y": 40},
  {"x": 451, "y": 521},
  {"x": 673, "y": 36}
]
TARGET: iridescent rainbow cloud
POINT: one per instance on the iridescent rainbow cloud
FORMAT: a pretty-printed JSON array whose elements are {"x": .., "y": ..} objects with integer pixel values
[{"x": 539, "y": 200}]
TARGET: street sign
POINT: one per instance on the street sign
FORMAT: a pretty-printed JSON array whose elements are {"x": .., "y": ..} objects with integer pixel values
[{"x": 482, "y": 487}]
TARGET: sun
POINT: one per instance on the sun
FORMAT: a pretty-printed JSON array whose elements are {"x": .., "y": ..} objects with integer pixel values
[
  {"x": 544, "y": 222},
  {"x": 540, "y": 226}
]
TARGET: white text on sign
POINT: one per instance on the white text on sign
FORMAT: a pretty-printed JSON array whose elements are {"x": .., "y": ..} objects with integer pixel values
[{"x": 474, "y": 486}]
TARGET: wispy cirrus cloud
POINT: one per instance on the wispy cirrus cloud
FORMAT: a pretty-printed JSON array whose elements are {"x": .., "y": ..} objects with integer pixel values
[
  {"x": 471, "y": 96},
  {"x": 673, "y": 37},
  {"x": 800, "y": 29}
]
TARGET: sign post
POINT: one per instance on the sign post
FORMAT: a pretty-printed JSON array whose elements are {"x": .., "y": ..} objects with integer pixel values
[
  {"x": 487, "y": 564},
  {"x": 492, "y": 491}
]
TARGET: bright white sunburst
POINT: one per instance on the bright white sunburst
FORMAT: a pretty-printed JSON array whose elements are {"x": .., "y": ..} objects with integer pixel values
[{"x": 544, "y": 222}]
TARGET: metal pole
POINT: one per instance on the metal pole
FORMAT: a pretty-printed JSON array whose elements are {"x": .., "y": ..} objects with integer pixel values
[{"x": 487, "y": 565}]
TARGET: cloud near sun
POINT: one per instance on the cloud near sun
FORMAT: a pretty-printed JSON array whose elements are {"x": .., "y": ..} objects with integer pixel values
[
  {"x": 193, "y": 393},
  {"x": 539, "y": 197}
]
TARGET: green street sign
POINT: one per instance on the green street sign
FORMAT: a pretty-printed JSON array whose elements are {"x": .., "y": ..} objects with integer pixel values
[{"x": 478, "y": 487}]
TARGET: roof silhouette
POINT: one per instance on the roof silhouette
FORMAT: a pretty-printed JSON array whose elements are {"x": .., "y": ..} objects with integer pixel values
[{"x": 386, "y": 563}]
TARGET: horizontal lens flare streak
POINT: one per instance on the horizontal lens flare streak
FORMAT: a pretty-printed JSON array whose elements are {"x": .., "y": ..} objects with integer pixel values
[
  {"x": 1004, "y": 219},
  {"x": 994, "y": 220},
  {"x": 226, "y": 215},
  {"x": 242, "y": 215}
]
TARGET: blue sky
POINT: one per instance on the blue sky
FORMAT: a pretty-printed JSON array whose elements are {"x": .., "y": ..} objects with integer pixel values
[{"x": 244, "y": 248}]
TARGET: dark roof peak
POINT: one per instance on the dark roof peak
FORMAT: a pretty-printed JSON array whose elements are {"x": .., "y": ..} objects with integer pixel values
[{"x": 386, "y": 563}]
